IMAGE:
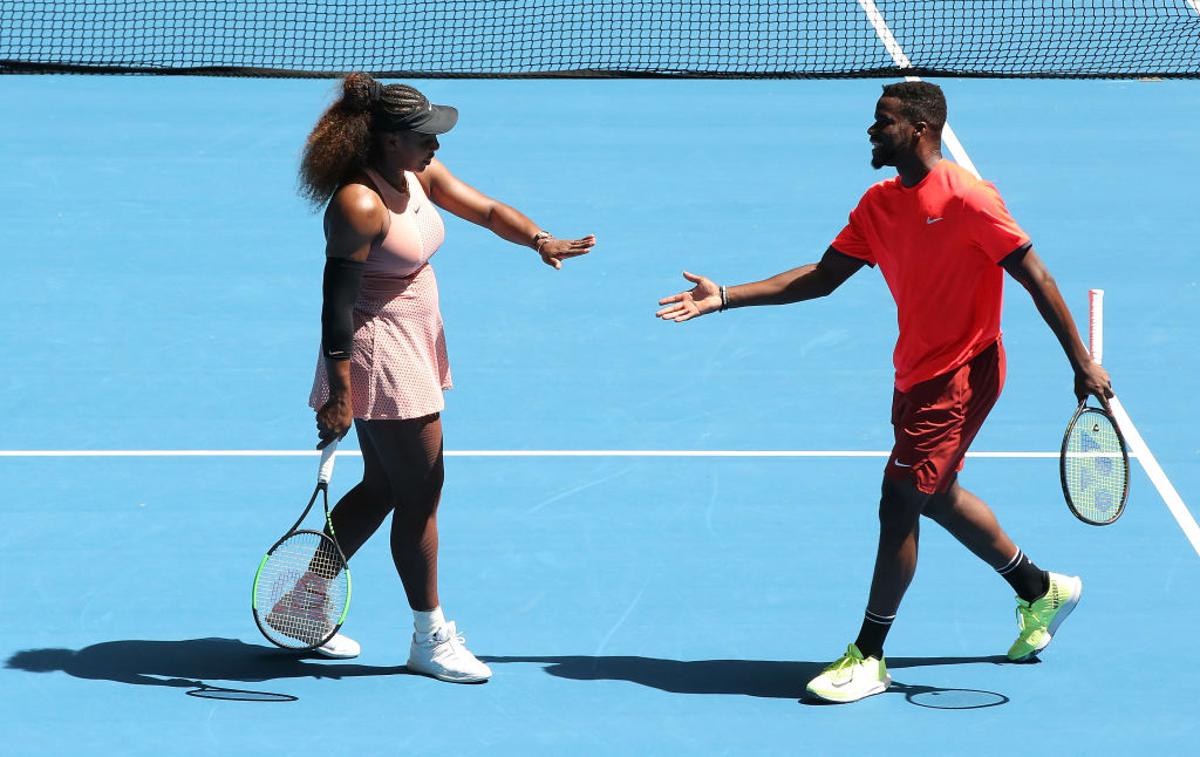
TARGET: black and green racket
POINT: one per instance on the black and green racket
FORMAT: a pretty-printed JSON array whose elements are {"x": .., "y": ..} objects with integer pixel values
[
  {"x": 302, "y": 587},
  {"x": 1094, "y": 464}
]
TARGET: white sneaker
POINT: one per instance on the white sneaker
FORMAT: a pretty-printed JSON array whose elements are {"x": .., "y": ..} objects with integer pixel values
[
  {"x": 443, "y": 654},
  {"x": 339, "y": 648}
]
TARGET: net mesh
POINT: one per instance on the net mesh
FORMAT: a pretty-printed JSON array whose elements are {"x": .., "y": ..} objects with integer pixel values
[
  {"x": 302, "y": 587},
  {"x": 1095, "y": 472},
  {"x": 510, "y": 38}
]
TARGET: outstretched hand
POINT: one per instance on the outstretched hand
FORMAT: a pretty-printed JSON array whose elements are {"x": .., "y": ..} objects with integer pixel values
[
  {"x": 555, "y": 251},
  {"x": 703, "y": 298}
]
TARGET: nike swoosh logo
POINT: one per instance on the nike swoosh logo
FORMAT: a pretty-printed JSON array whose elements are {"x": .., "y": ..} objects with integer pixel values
[
  {"x": 901, "y": 465},
  {"x": 933, "y": 220}
]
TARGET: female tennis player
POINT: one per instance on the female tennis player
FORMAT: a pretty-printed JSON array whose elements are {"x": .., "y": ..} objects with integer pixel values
[{"x": 383, "y": 367}]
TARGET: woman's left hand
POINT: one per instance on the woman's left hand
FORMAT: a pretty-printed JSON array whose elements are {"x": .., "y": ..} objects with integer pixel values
[{"x": 555, "y": 251}]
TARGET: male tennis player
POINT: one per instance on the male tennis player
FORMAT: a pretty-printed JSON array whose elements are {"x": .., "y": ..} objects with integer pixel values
[{"x": 942, "y": 239}]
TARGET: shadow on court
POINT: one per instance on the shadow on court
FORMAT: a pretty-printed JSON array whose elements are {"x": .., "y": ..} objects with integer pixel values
[
  {"x": 188, "y": 663},
  {"x": 755, "y": 678}
]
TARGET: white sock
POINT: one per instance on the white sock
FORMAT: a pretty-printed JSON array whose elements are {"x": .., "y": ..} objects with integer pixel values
[{"x": 427, "y": 622}]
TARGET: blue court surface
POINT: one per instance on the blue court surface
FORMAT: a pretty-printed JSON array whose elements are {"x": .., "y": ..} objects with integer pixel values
[{"x": 162, "y": 284}]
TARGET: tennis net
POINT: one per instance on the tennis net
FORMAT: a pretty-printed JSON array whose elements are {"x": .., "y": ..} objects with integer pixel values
[{"x": 526, "y": 38}]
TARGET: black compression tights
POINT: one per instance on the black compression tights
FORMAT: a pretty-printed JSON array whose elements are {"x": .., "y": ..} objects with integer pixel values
[{"x": 402, "y": 474}]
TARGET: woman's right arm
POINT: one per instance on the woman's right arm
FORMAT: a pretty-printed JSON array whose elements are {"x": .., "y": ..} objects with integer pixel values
[{"x": 353, "y": 220}]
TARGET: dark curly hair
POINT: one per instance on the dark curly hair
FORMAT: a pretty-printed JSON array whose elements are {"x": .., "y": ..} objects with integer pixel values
[
  {"x": 343, "y": 140},
  {"x": 919, "y": 101}
]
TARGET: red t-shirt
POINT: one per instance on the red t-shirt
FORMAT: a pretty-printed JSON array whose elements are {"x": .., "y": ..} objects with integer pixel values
[{"x": 938, "y": 245}]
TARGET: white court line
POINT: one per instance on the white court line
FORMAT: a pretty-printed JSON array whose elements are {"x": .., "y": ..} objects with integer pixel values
[
  {"x": 1138, "y": 447},
  {"x": 1166, "y": 490},
  {"x": 885, "y": 33},
  {"x": 755, "y": 453}
]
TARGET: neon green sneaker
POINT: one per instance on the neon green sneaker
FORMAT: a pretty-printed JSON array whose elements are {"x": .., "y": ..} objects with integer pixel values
[
  {"x": 1039, "y": 619},
  {"x": 851, "y": 678}
]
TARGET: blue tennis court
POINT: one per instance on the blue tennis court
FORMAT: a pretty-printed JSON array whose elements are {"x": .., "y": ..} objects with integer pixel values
[{"x": 655, "y": 534}]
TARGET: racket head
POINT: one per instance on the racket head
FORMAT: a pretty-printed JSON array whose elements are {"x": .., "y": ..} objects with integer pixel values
[
  {"x": 1094, "y": 466},
  {"x": 301, "y": 591}
]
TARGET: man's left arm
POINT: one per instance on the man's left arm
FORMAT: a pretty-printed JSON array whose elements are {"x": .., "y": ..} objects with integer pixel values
[{"x": 1026, "y": 267}]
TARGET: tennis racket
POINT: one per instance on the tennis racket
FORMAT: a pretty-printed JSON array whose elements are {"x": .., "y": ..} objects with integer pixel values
[
  {"x": 302, "y": 587},
  {"x": 1094, "y": 464}
]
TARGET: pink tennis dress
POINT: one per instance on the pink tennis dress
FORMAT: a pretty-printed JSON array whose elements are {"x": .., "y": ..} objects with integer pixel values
[{"x": 399, "y": 366}]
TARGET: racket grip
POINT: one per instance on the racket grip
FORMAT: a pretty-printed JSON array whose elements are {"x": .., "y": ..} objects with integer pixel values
[
  {"x": 326, "y": 470},
  {"x": 1096, "y": 324}
]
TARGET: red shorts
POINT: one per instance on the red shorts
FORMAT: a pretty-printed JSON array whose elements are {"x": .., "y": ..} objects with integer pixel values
[{"x": 936, "y": 421}]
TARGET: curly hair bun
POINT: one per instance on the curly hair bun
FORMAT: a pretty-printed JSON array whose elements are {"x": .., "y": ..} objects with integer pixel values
[{"x": 360, "y": 91}]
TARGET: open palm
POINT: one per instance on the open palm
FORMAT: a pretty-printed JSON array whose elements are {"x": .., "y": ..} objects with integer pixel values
[{"x": 703, "y": 298}]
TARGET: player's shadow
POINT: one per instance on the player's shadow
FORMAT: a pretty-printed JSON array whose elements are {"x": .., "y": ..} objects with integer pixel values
[
  {"x": 189, "y": 663},
  {"x": 755, "y": 678}
]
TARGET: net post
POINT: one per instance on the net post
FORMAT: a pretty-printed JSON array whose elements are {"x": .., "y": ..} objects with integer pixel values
[{"x": 1096, "y": 324}]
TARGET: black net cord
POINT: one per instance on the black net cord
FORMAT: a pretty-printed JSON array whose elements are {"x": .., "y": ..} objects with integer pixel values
[{"x": 534, "y": 38}]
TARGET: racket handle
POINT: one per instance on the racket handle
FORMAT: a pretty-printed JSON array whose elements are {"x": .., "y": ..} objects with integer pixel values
[
  {"x": 1096, "y": 324},
  {"x": 326, "y": 470}
]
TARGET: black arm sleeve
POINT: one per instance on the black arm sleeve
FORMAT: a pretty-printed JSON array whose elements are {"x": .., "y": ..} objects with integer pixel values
[{"x": 340, "y": 290}]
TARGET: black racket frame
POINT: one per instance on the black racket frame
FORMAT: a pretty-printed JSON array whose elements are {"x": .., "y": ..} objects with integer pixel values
[{"x": 322, "y": 490}]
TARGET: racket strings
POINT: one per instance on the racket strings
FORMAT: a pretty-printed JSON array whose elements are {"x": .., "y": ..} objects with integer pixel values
[
  {"x": 304, "y": 584},
  {"x": 1095, "y": 469}
]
